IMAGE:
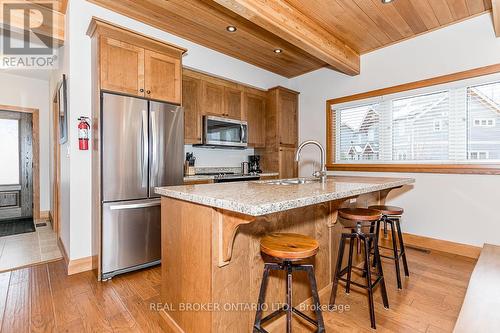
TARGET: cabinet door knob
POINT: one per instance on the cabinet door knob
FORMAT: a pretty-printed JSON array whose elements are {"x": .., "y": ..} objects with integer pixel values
[
  {"x": 141, "y": 90},
  {"x": 148, "y": 92}
]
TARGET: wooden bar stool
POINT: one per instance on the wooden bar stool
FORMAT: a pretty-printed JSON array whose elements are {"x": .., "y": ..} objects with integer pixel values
[
  {"x": 286, "y": 249},
  {"x": 356, "y": 219},
  {"x": 391, "y": 215}
]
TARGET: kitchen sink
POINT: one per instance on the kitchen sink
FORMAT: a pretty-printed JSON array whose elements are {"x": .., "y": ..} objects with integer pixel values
[{"x": 292, "y": 181}]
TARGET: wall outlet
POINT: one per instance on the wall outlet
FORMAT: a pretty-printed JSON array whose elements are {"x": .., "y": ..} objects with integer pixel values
[{"x": 353, "y": 200}]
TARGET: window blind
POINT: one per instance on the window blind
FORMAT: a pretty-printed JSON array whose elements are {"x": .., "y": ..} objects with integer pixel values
[{"x": 458, "y": 123}]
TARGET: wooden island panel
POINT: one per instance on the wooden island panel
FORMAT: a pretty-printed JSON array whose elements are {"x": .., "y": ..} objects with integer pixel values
[{"x": 192, "y": 272}]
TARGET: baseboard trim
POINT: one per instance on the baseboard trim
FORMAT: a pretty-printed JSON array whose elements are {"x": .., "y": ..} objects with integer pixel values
[
  {"x": 63, "y": 250},
  {"x": 428, "y": 243},
  {"x": 168, "y": 324},
  {"x": 80, "y": 265},
  {"x": 77, "y": 265},
  {"x": 44, "y": 215}
]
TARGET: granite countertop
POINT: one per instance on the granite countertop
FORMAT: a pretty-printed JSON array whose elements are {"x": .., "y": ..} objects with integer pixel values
[
  {"x": 208, "y": 177},
  {"x": 258, "y": 198}
]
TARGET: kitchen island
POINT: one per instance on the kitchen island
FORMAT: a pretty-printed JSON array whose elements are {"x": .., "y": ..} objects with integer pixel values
[{"x": 211, "y": 261}]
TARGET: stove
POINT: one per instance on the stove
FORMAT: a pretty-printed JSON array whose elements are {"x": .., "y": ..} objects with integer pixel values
[{"x": 227, "y": 177}]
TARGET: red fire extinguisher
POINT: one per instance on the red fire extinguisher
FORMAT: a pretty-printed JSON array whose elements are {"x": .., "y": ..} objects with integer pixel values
[{"x": 83, "y": 133}]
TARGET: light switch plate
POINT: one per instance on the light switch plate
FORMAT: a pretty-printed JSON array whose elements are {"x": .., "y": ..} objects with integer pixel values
[{"x": 353, "y": 200}]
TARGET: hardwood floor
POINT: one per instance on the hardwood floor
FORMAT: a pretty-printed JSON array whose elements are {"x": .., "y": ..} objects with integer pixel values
[{"x": 44, "y": 299}]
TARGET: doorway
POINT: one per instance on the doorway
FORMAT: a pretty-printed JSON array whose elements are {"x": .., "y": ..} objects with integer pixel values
[
  {"x": 19, "y": 147},
  {"x": 35, "y": 241}
]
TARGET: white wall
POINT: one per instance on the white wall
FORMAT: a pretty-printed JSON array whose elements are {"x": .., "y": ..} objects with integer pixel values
[
  {"x": 32, "y": 93},
  {"x": 80, "y": 13},
  {"x": 458, "y": 208}
]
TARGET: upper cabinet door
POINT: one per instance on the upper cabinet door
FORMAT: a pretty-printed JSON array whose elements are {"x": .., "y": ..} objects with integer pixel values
[
  {"x": 288, "y": 118},
  {"x": 191, "y": 101},
  {"x": 122, "y": 67},
  {"x": 213, "y": 99},
  {"x": 255, "y": 111},
  {"x": 233, "y": 103},
  {"x": 163, "y": 77}
]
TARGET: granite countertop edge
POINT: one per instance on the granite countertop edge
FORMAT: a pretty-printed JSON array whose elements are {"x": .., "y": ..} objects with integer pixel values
[{"x": 278, "y": 206}]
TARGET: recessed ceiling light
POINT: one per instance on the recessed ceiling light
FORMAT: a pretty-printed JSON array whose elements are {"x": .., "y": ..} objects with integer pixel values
[
  {"x": 231, "y": 28},
  {"x": 278, "y": 51},
  {"x": 387, "y": 1}
]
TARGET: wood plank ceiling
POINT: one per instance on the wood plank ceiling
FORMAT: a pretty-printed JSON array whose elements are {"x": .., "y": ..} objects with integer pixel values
[
  {"x": 355, "y": 26},
  {"x": 367, "y": 25}
]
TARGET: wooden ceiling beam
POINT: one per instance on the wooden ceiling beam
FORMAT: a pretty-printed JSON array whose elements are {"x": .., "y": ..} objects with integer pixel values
[
  {"x": 290, "y": 24},
  {"x": 496, "y": 16}
]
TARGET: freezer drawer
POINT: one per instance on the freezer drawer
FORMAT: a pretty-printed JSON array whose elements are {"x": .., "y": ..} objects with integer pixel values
[{"x": 130, "y": 235}]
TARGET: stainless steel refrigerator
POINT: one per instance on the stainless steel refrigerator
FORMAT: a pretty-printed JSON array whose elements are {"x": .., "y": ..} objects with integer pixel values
[{"x": 142, "y": 147}]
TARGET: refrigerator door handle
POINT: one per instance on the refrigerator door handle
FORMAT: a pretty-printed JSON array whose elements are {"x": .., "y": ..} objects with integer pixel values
[
  {"x": 154, "y": 147},
  {"x": 134, "y": 206},
  {"x": 145, "y": 148}
]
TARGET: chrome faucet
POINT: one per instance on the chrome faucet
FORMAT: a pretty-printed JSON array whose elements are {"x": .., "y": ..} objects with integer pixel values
[{"x": 321, "y": 174}]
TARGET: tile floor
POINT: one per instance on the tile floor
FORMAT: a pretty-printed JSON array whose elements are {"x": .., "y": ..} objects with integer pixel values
[{"x": 29, "y": 248}]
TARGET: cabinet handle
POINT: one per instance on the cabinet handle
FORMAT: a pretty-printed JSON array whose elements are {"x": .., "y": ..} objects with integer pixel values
[
  {"x": 148, "y": 92},
  {"x": 141, "y": 90}
]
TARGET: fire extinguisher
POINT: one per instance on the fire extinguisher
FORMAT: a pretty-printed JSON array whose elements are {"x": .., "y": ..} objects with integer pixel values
[{"x": 83, "y": 133}]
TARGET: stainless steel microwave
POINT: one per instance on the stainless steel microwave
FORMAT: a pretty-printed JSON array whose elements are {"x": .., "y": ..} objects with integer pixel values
[{"x": 224, "y": 132}]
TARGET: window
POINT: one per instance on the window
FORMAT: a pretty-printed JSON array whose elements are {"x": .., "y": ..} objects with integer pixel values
[
  {"x": 9, "y": 148},
  {"x": 359, "y": 128},
  {"x": 483, "y": 108},
  {"x": 448, "y": 124},
  {"x": 425, "y": 119},
  {"x": 478, "y": 155},
  {"x": 484, "y": 122}
]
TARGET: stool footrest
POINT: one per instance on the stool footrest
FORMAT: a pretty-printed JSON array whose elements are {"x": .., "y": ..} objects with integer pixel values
[
  {"x": 400, "y": 254},
  {"x": 272, "y": 315},
  {"x": 374, "y": 284},
  {"x": 306, "y": 317}
]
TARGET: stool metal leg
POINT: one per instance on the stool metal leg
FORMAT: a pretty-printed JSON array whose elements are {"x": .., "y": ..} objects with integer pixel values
[
  {"x": 315, "y": 295},
  {"x": 395, "y": 251},
  {"x": 385, "y": 299},
  {"x": 377, "y": 237},
  {"x": 340, "y": 257},
  {"x": 288, "y": 297},
  {"x": 262, "y": 297},
  {"x": 349, "y": 265},
  {"x": 369, "y": 282},
  {"x": 402, "y": 246}
]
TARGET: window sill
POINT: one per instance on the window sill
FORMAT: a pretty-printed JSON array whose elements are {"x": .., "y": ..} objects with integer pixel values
[{"x": 476, "y": 169}]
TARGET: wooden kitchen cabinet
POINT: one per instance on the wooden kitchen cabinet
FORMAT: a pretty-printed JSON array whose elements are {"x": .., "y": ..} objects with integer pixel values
[
  {"x": 213, "y": 99},
  {"x": 255, "y": 115},
  {"x": 232, "y": 103},
  {"x": 288, "y": 122},
  {"x": 192, "y": 102},
  {"x": 122, "y": 67},
  {"x": 162, "y": 75},
  {"x": 287, "y": 164},
  {"x": 281, "y": 133},
  {"x": 135, "y": 65}
]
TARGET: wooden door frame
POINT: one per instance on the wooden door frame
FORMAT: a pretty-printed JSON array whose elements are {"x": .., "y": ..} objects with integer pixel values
[
  {"x": 36, "y": 153},
  {"x": 55, "y": 209}
]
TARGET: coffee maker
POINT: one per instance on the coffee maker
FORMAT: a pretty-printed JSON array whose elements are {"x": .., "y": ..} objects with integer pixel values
[{"x": 254, "y": 164}]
